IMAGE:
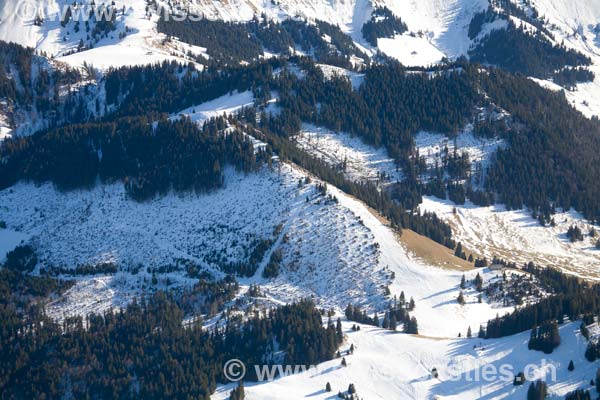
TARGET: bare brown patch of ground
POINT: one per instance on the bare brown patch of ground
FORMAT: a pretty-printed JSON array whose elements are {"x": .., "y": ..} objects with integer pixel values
[{"x": 432, "y": 252}]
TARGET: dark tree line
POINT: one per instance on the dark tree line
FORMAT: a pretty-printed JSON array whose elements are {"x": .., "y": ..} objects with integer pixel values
[
  {"x": 229, "y": 43},
  {"x": 516, "y": 50},
  {"x": 553, "y": 152},
  {"x": 569, "y": 77},
  {"x": 544, "y": 337},
  {"x": 149, "y": 159},
  {"x": 143, "y": 351}
]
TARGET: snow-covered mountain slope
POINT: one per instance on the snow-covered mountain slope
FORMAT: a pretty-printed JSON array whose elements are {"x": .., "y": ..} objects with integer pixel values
[
  {"x": 576, "y": 23},
  {"x": 439, "y": 27},
  {"x": 516, "y": 235},
  {"x": 336, "y": 253},
  {"x": 141, "y": 45},
  {"x": 444, "y": 23},
  {"x": 389, "y": 365},
  {"x": 102, "y": 225}
]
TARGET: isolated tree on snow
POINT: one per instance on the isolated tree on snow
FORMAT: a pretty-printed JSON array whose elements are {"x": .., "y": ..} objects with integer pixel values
[
  {"x": 344, "y": 364},
  {"x": 461, "y": 298},
  {"x": 328, "y": 387},
  {"x": 571, "y": 366},
  {"x": 469, "y": 334},
  {"x": 351, "y": 389},
  {"x": 463, "y": 282},
  {"x": 478, "y": 282}
]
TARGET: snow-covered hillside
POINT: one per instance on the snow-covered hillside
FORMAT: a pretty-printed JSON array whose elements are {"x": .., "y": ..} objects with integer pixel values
[
  {"x": 141, "y": 45},
  {"x": 103, "y": 225},
  {"x": 577, "y": 24},
  {"x": 487, "y": 231},
  {"x": 337, "y": 253},
  {"x": 389, "y": 365},
  {"x": 494, "y": 231}
]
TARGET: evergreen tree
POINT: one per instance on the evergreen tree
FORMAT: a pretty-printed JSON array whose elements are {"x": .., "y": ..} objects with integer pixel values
[
  {"x": 393, "y": 322},
  {"x": 411, "y": 326},
  {"x": 478, "y": 282},
  {"x": 351, "y": 389},
  {"x": 238, "y": 392},
  {"x": 461, "y": 298},
  {"x": 411, "y": 304},
  {"x": 537, "y": 391},
  {"x": 481, "y": 333},
  {"x": 571, "y": 366}
]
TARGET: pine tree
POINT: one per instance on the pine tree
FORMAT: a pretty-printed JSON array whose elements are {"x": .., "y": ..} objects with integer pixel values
[
  {"x": 461, "y": 298},
  {"x": 411, "y": 304},
  {"x": 386, "y": 321},
  {"x": 411, "y": 326},
  {"x": 458, "y": 252},
  {"x": 481, "y": 333},
  {"x": 344, "y": 364},
  {"x": 393, "y": 323},
  {"x": 463, "y": 282},
  {"x": 531, "y": 392},
  {"x": 328, "y": 387},
  {"x": 338, "y": 329},
  {"x": 478, "y": 282},
  {"x": 238, "y": 393},
  {"x": 537, "y": 391},
  {"x": 351, "y": 389},
  {"x": 469, "y": 334},
  {"x": 571, "y": 366}
]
